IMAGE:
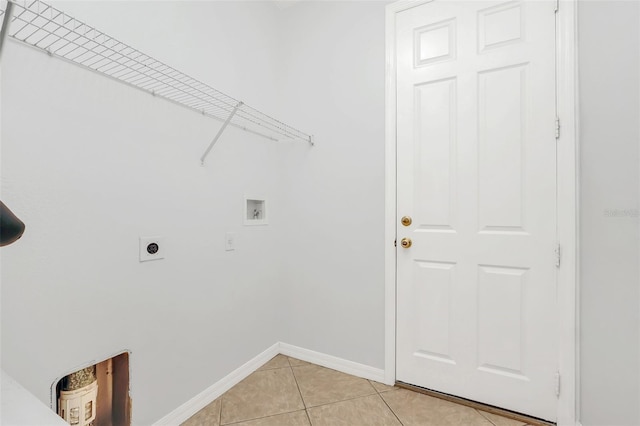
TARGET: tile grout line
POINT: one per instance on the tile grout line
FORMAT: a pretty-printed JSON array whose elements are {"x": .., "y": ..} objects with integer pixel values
[
  {"x": 373, "y": 386},
  {"x": 375, "y": 391},
  {"x": 306, "y": 411},
  {"x": 295, "y": 379},
  {"x": 269, "y": 369},
  {"x": 343, "y": 400},
  {"x": 390, "y": 409},
  {"x": 485, "y": 417},
  {"x": 260, "y": 370},
  {"x": 260, "y": 418}
]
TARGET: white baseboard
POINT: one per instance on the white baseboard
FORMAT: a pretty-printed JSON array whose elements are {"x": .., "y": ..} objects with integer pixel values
[
  {"x": 335, "y": 363},
  {"x": 210, "y": 394}
]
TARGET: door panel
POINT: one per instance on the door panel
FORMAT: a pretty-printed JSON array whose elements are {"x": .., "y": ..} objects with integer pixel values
[
  {"x": 476, "y": 171},
  {"x": 500, "y": 326},
  {"x": 435, "y": 155},
  {"x": 432, "y": 297},
  {"x": 501, "y": 123}
]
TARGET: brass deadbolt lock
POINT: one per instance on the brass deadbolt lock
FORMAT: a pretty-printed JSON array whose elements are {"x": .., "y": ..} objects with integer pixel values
[
  {"x": 405, "y": 242},
  {"x": 406, "y": 220}
]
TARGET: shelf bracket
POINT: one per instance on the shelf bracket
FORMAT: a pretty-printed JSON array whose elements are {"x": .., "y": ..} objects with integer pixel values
[
  {"x": 220, "y": 132},
  {"x": 6, "y": 19}
]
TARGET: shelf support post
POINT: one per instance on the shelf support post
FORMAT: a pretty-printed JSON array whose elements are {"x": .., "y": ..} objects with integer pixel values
[
  {"x": 224, "y": 126},
  {"x": 6, "y": 19}
]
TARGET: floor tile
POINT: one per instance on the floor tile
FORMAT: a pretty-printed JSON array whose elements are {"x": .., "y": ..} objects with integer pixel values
[
  {"x": 364, "y": 411},
  {"x": 297, "y": 418},
  {"x": 263, "y": 393},
  {"x": 320, "y": 385},
  {"x": 416, "y": 409},
  {"x": 295, "y": 362},
  {"x": 381, "y": 387},
  {"x": 499, "y": 420},
  {"x": 278, "y": 361},
  {"x": 209, "y": 416}
]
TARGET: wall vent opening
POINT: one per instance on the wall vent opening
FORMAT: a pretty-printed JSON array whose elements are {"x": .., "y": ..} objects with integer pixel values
[{"x": 97, "y": 395}]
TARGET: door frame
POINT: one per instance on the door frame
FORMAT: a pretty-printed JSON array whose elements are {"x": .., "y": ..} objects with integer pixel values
[{"x": 567, "y": 203}]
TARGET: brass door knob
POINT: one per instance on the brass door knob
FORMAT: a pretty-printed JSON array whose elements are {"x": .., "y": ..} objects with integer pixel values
[
  {"x": 406, "y": 220},
  {"x": 405, "y": 242}
]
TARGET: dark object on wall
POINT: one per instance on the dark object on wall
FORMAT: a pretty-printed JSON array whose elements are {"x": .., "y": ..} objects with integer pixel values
[{"x": 11, "y": 228}]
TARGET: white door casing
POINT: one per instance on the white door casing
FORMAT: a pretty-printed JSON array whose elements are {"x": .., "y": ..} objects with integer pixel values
[{"x": 476, "y": 171}]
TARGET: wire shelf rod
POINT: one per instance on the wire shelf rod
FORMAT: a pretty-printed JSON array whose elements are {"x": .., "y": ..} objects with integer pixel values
[
  {"x": 217, "y": 136},
  {"x": 6, "y": 18}
]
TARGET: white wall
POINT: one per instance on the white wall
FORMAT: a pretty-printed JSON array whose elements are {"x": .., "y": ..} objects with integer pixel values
[
  {"x": 83, "y": 175},
  {"x": 90, "y": 165},
  {"x": 610, "y": 134},
  {"x": 333, "y": 74},
  {"x": 332, "y": 83}
]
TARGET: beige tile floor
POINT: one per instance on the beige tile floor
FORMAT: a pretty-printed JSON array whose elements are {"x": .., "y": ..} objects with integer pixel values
[{"x": 289, "y": 392}]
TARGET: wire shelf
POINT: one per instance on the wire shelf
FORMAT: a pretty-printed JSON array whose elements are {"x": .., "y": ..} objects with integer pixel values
[{"x": 41, "y": 25}]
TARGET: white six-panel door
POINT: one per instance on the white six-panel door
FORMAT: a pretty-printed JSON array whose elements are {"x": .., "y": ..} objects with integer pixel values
[{"x": 476, "y": 172}]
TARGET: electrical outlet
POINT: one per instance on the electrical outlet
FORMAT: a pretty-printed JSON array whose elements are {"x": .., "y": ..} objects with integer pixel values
[
  {"x": 230, "y": 241},
  {"x": 151, "y": 248}
]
